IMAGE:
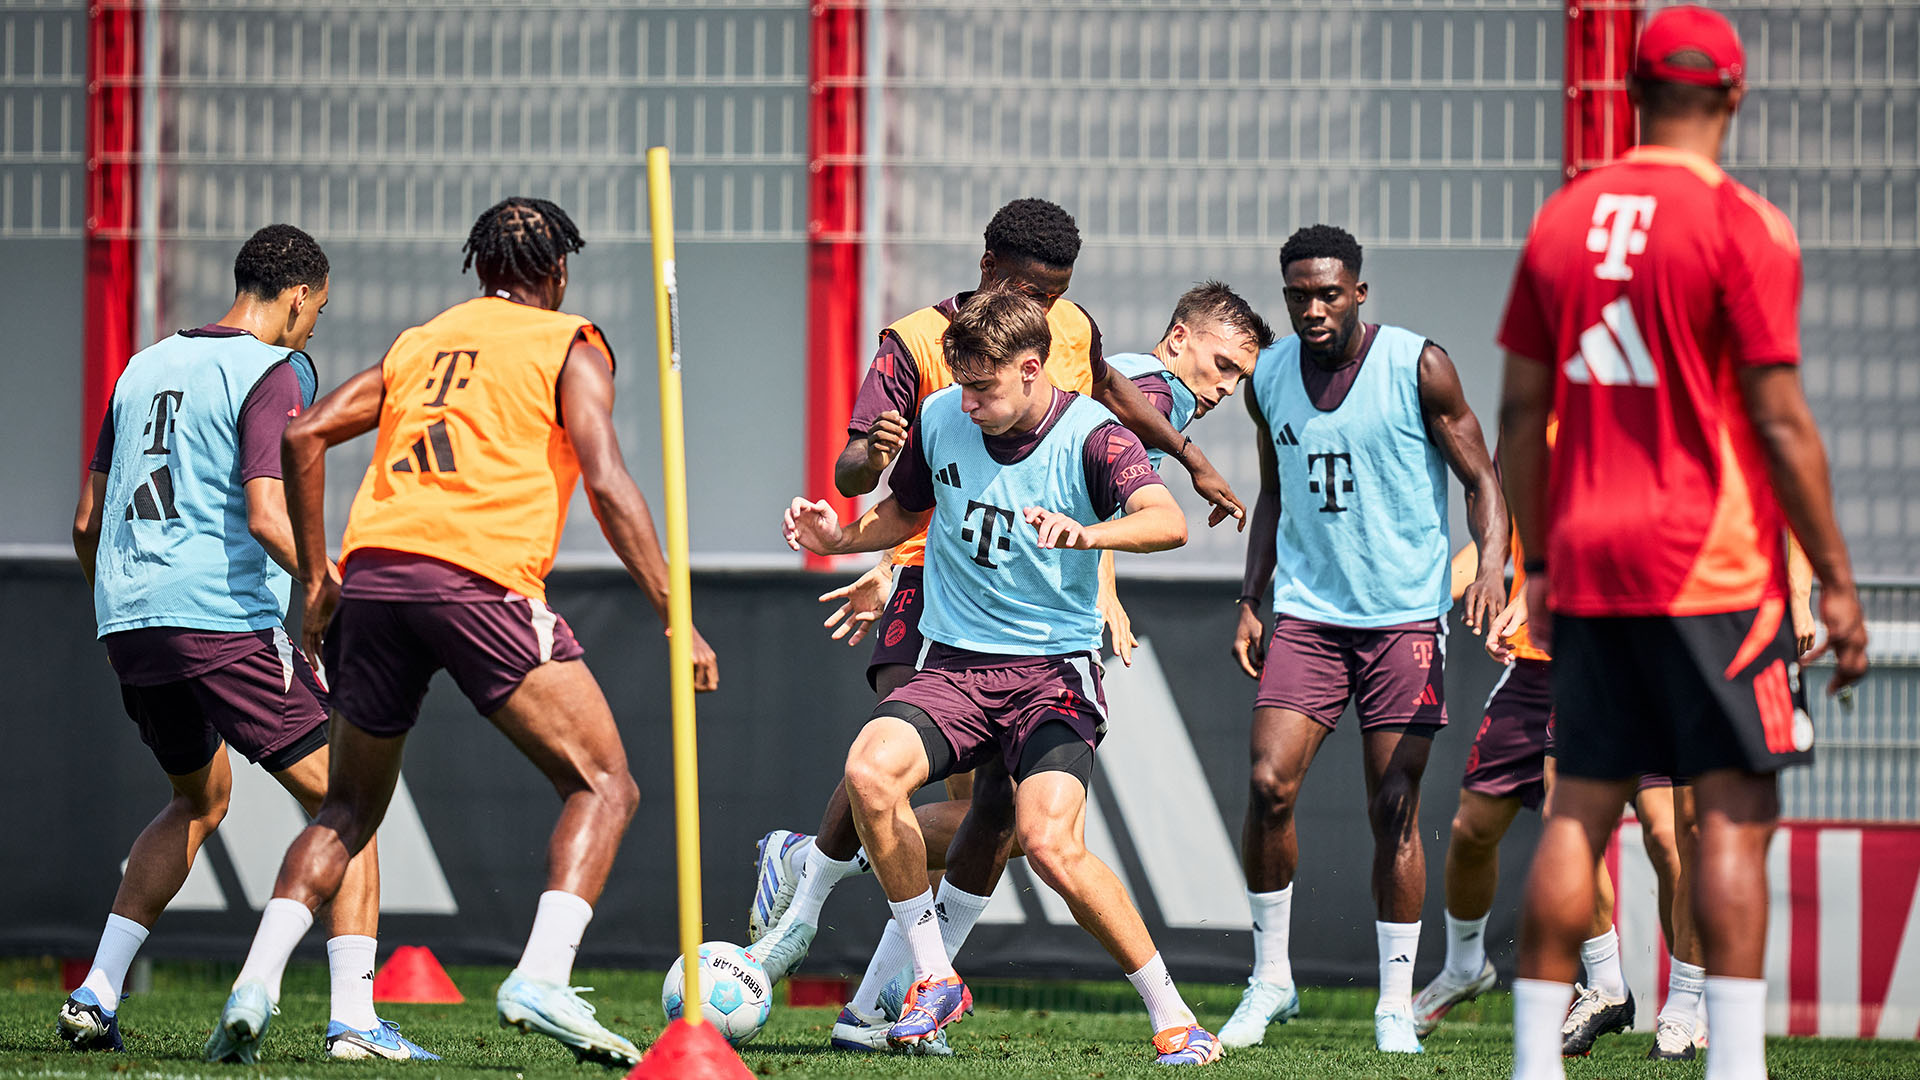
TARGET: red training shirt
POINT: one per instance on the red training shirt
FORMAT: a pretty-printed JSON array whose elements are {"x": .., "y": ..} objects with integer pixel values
[{"x": 1648, "y": 284}]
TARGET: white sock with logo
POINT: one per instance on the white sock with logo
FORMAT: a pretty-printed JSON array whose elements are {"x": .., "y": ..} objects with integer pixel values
[
  {"x": 120, "y": 942},
  {"x": 283, "y": 922},
  {"x": 817, "y": 879},
  {"x": 1272, "y": 923},
  {"x": 1399, "y": 944},
  {"x": 1466, "y": 946},
  {"x": 1165, "y": 1008},
  {"x": 350, "y": 961},
  {"x": 922, "y": 929},
  {"x": 1539, "y": 1008},
  {"x": 1686, "y": 984},
  {"x": 1601, "y": 956},
  {"x": 1737, "y": 1013},
  {"x": 558, "y": 924}
]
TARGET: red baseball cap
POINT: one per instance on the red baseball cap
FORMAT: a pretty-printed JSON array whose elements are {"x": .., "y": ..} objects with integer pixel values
[{"x": 1690, "y": 28}]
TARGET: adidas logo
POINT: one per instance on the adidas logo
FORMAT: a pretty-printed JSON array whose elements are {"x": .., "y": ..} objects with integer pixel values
[
  {"x": 1427, "y": 697},
  {"x": 442, "y": 452},
  {"x": 1286, "y": 436},
  {"x": 941, "y": 910},
  {"x": 949, "y": 475},
  {"x": 924, "y": 916},
  {"x": 1613, "y": 352},
  {"x": 1403, "y": 958}
]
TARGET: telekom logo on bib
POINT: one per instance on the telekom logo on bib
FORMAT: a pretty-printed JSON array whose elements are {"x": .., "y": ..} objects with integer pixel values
[{"x": 1620, "y": 224}]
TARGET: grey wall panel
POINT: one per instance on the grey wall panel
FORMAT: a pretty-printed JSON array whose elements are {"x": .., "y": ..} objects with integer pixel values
[{"x": 40, "y": 438}]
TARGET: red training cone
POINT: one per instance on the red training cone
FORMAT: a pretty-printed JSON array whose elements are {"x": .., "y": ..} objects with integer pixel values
[
  {"x": 690, "y": 1052},
  {"x": 412, "y": 974}
]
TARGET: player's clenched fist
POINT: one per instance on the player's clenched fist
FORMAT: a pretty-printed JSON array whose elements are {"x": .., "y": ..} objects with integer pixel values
[
  {"x": 1058, "y": 530},
  {"x": 889, "y": 434},
  {"x": 812, "y": 525}
]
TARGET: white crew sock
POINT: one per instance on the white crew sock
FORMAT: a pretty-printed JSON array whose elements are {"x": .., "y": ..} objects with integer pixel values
[
  {"x": 1165, "y": 1009},
  {"x": 119, "y": 943},
  {"x": 959, "y": 911},
  {"x": 1737, "y": 1013},
  {"x": 922, "y": 929},
  {"x": 1601, "y": 955},
  {"x": 818, "y": 876},
  {"x": 890, "y": 958},
  {"x": 1466, "y": 946},
  {"x": 1272, "y": 922},
  {"x": 283, "y": 922},
  {"x": 1399, "y": 944},
  {"x": 558, "y": 924},
  {"x": 350, "y": 960},
  {"x": 1685, "y": 985},
  {"x": 1539, "y": 1008}
]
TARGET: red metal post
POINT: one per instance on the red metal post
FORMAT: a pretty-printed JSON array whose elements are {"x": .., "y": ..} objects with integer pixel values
[
  {"x": 835, "y": 189},
  {"x": 113, "y": 61},
  {"x": 1600, "y": 124}
]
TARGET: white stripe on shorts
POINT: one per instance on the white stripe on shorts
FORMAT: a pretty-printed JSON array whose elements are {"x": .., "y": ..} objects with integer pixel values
[
  {"x": 543, "y": 623},
  {"x": 283, "y": 645}
]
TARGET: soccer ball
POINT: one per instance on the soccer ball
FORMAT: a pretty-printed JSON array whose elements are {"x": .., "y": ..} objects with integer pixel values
[{"x": 737, "y": 994}]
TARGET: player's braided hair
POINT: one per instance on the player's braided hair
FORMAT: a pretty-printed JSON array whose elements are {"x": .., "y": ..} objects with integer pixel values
[
  {"x": 520, "y": 241},
  {"x": 1215, "y": 302},
  {"x": 276, "y": 259},
  {"x": 1321, "y": 242},
  {"x": 1036, "y": 229},
  {"x": 991, "y": 329}
]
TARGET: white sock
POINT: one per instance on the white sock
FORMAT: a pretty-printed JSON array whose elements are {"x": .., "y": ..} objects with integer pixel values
[
  {"x": 959, "y": 911},
  {"x": 1539, "y": 1008},
  {"x": 890, "y": 958},
  {"x": 1272, "y": 922},
  {"x": 1165, "y": 1009},
  {"x": 558, "y": 924},
  {"x": 350, "y": 961},
  {"x": 1737, "y": 1013},
  {"x": 1601, "y": 955},
  {"x": 1685, "y": 985},
  {"x": 119, "y": 943},
  {"x": 817, "y": 878},
  {"x": 1399, "y": 944},
  {"x": 922, "y": 929},
  {"x": 283, "y": 922},
  {"x": 1466, "y": 946}
]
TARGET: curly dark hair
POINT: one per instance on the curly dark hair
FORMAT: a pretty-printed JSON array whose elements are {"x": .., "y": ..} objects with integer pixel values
[
  {"x": 1216, "y": 302},
  {"x": 1036, "y": 229},
  {"x": 1321, "y": 242},
  {"x": 276, "y": 259},
  {"x": 520, "y": 241}
]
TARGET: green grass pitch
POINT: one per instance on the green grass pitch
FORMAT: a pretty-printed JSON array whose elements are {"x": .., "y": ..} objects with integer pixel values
[{"x": 1083, "y": 1030}]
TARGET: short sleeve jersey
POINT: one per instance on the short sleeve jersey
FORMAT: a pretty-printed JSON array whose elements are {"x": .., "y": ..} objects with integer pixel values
[{"x": 1649, "y": 284}]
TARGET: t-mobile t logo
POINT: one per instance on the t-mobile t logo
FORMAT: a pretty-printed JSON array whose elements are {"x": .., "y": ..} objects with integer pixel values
[
  {"x": 1331, "y": 484},
  {"x": 992, "y": 519},
  {"x": 165, "y": 405},
  {"x": 1620, "y": 224}
]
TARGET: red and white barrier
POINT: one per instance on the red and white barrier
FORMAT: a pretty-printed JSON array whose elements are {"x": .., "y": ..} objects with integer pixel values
[{"x": 1843, "y": 933}]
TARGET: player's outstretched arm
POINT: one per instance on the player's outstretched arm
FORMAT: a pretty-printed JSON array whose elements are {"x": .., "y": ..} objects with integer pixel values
[
  {"x": 1152, "y": 522},
  {"x": 1797, "y": 464},
  {"x": 815, "y": 526},
  {"x": 1132, "y": 408},
  {"x": 1456, "y": 431},
  {"x": 352, "y": 409},
  {"x": 1249, "y": 635},
  {"x": 1526, "y": 401},
  {"x": 586, "y": 407},
  {"x": 86, "y": 521}
]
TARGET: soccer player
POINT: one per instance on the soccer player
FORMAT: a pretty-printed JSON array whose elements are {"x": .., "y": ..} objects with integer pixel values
[
  {"x": 1031, "y": 246},
  {"x": 1358, "y": 424},
  {"x": 1018, "y": 485},
  {"x": 1655, "y": 313},
  {"x": 488, "y": 416},
  {"x": 182, "y": 530}
]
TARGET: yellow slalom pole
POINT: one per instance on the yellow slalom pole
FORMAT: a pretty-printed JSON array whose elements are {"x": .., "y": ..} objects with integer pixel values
[{"x": 673, "y": 457}]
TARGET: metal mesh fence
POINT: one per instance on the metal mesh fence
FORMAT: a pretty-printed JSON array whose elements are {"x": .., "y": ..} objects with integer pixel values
[{"x": 43, "y": 71}]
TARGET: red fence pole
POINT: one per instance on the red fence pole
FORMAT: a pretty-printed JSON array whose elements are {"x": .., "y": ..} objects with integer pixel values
[
  {"x": 835, "y": 190},
  {"x": 1600, "y": 123},
  {"x": 113, "y": 59}
]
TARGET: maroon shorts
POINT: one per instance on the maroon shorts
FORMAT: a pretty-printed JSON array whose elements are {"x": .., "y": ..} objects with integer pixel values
[
  {"x": 380, "y": 654},
  {"x": 265, "y": 702},
  {"x": 1394, "y": 676},
  {"x": 1509, "y": 754},
  {"x": 896, "y": 638},
  {"x": 985, "y": 705}
]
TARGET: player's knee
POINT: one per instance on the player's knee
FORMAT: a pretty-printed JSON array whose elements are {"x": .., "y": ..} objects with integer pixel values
[
  {"x": 877, "y": 774},
  {"x": 207, "y": 809},
  {"x": 1473, "y": 834},
  {"x": 1393, "y": 806},
  {"x": 1052, "y": 851},
  {"x": 1273, "y": 790},
  {"x": 619, "y": 791},
  {"x": 1661, "y": 849}
]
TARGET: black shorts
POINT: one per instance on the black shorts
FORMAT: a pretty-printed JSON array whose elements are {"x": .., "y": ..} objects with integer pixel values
[
  {"x": 1678, "y": 694},
  {"x": 897, "y": 638}
]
